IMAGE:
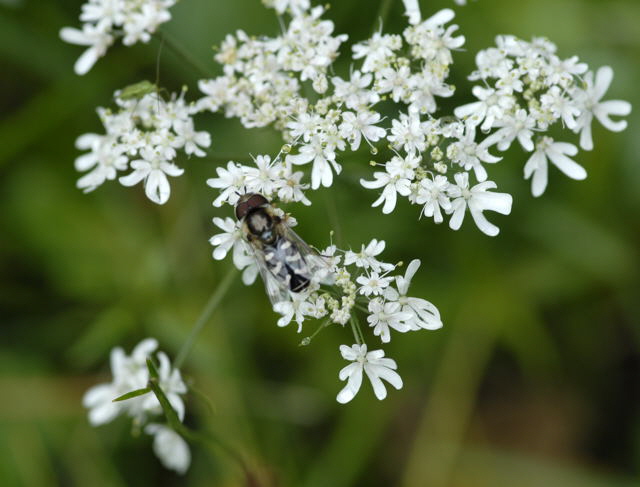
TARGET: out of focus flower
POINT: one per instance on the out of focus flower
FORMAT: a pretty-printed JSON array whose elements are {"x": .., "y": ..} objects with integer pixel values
[
  {"x": 107, "y": 20},
  {"x": 130, "y": 373},
  {"x": 169, "y": 447}
]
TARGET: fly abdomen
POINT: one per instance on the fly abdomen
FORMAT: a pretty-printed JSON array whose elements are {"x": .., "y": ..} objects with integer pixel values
[{"x": 285, "y": 262}]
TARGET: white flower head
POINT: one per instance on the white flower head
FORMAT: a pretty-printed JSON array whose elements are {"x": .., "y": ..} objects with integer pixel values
[
  {"x": 374, "y": 364},
  {"x": 131, "y": 373}
]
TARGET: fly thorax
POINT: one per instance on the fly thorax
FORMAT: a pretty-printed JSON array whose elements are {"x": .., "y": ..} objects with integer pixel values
[{"x": 261, "y": 225}]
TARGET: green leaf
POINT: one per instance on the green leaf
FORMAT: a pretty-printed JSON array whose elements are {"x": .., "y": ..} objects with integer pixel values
[
  {"x": 153, "y": 370},
  {"x": 167, "y": 409},
  {"x": 132, "y": 394}
]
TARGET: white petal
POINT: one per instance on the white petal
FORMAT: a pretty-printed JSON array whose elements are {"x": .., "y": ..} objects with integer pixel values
[
  {"x": 157, "y": 187},
  {"x": 351, "y": 389},
  {"x": 540, "y": 178},
  {"x": 567, "y": 166},
  {"x": 86, "y": 61},
  {"x": 460, "y": 208},
  {"x": 602, "y": 82},
  {"x": 483, "y": 224}
]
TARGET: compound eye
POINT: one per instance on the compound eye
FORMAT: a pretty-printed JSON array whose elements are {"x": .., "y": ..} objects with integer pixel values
[{"x": 249, "y": 201}]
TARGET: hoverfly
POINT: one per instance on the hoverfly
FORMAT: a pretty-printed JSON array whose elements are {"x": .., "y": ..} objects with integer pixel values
[{"x": 286, "y": 263}]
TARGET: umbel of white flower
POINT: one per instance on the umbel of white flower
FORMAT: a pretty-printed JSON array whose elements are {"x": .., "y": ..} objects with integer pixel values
[
  {"x": 106, "y": 20},
  {"x": 525, "y": 89},
  {"x": 356, "y": 277},
  {"x": 130, "y": 373},
  {"x": 145, "y": 136}
]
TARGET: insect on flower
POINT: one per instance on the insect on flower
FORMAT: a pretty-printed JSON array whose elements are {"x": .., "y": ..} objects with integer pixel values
[{"x": 286, "y": 263}]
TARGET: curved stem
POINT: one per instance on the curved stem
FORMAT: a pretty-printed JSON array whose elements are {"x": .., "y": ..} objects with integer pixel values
[{"x": 208, "y": 310}]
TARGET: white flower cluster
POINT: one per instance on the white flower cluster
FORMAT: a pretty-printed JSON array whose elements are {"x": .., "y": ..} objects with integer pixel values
[
  {"x": 262, "y": 76},
  {"x": 106, "y": 20},
  {"x": 526, "y": 88},
  {"x": 273, "y": 179},
  {"x": 359, "y": 281},
  {"x": 144, "y": 135},
  {"x": 130, "y": 373}
]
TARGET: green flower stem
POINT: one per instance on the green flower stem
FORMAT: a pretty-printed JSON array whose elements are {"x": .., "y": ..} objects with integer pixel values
[
  {"x": 208, "y": 310},
  {"x": 357, "y": 332},
  {"x": 383, "y": 12},
  {"x": 208, "y": 438},
  {"x": 307, "y": 340}
]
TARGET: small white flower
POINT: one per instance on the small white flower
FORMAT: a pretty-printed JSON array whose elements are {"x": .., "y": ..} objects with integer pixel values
[
  {"x": 93, "y": 36},
  {"x": 153, "y": 170},
  {"x": 231, "y": 181},
  {"x": 393, "y": 182},
  {"x": 131, "y": 373},
  {"x": 519, "y": 126},
  {"x": 169, "y": 447},
  {"x": 385, "y": 315},
  {"x": 192, "y": 140},
  {"x": 104, "y": 20},
  {"x": 477, "y": 199},
  {"x": 324, "y": 159},
  {"x": 433, "y": 195},
  {"x": 425, "y": 314},
  {"x": 557, "y": 153},
  {"x": 374, "y": 364},
  {"x": 104, "y": 161},
  {"x": 407, "y": 133},
  {"x": 373, "y": 284},
  {"x": 376, "y": 50},
  {"x": 470, "y": 155},
  {"x": 589, "y": 101},
  {"x": 354, "y": 92},
  {"x": 230, "y": 238},
  {"x": 491, "y": 107},
  {"x": 296, "y": 309},
  {"x": 264, "y": 177},
  {"x": 366, "y": 258},
  {"x": 356, "y": 126}
]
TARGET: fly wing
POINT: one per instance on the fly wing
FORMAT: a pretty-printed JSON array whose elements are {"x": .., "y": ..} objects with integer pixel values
[
  {"x": 276, "y": 290},
  {"x": 320, "y": 269}
]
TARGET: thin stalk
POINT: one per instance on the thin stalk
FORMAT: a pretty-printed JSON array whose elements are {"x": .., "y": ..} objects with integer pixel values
[
  {"x": 208, "y": 310},
  {"x": 383, "y": 13},
  {"x": 182, "y": 53},
  {"x": 357, "y": 332},
  {"x": 332, "y": 212}
]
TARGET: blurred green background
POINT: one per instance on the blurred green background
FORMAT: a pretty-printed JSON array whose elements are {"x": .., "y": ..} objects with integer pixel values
[{"x": 534, "y": 379}]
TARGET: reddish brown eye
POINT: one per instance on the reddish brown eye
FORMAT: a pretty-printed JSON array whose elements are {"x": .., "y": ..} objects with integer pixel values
[{"x": 248, "y": 202}]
